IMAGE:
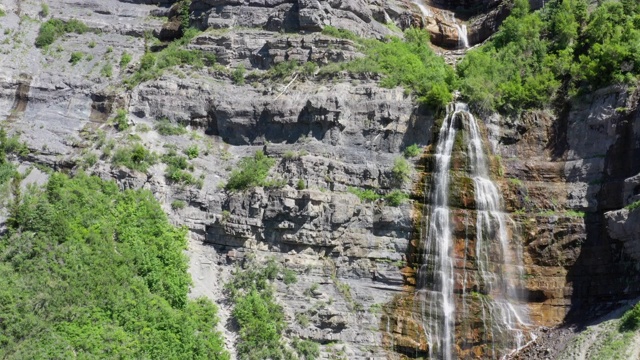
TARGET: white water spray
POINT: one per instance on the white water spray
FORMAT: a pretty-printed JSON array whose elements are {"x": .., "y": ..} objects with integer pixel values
[{"x": 494, "y": 293}]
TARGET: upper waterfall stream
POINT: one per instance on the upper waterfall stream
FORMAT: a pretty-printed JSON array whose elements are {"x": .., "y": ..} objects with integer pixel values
[{"x": 467, "y": 284}]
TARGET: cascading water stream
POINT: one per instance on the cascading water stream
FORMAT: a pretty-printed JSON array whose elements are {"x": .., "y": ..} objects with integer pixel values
[
  {"x": 445, "y": 273},
  {"x": 463, "y": 39}
]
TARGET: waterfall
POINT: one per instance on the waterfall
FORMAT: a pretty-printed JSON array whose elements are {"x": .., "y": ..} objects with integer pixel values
[
  {"x": 463, "y": 40},
  {"x": 451, "y": 283},
  {"x": 449, "y": 17}
]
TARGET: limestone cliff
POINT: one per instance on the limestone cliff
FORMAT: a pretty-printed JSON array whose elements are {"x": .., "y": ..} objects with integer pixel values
[{"x": 566, "y": 175}]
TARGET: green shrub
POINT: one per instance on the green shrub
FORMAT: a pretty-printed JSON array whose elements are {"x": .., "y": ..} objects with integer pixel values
[
  {"x": 147, "y": 62},
  {"x": 89, "y": 271},
  {"x": 631, "y": 319},
  {"x": 290, "y": 155},
  {"x": 238, "y": 75},
  {"x": 152, "y": 65},
  {"x": 306, "y": 349},
  {"x": 302, "y": 319},
  {"x": 412, "y": 150},
  {"x": 178, "y": 170},
  {"x": 135, "y": 157},
  {"x": 89, "y": 160},
  {"x": 300, "y": 185},
  {"x": 11, "y": 145},
  {"x": 76, "y": 57},
  {"x": 283, "y": 69},
  {"x": 44, "y": 9},
  {"x": 401, "y": 170},
  {"x": 178, "y": 204},
  {"x": 107, "y": 70},
  {"x": 260, "y": 318},
  {"x": 125, "y": 59},
  {"x": 250, "y": 172},
  {"x": 165, "y": 127},
  {"x": 7, "y": 172},
  {"x": 366, "y": 195},
  {"x": 289, "y": 277},
  {"x": 122, "y": 123},
  {"x": 633, "y": 205},
  {"x": 339, "y": 33},
  {"x": 54, "y": 28},
  {"x": 2, "y": 13},
  {"x": 410, "y": 63},
  {"x": 396, "y": 198},
  {"x": 92, "y": 44},
  {"x": 192, "y": 151},
  {"x": 309, "y": 68}
]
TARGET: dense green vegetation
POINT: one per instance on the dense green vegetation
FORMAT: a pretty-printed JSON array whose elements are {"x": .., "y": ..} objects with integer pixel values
[
  {"x": 55, "y": 28},
  {"x": 250, "y": 172},
  {"x": 179, "y": 170},
  {"x": 134, "y": 157},
  {"x": 260, "y": 318},
  {"x": 165, "y": 127},
  {"x": 88, "y": 271},
  {"x": 153, "y": 64},
  {"x": 410, "y": 63},
  {"x": 633, "y": 206},
  {"x": 561, "y": 49},
  {"x": 631, "y": 319},
  {"x": 8, "y": 146}
]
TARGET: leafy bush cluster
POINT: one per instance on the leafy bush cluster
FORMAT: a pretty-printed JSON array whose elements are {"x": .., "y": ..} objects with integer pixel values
[
  {"x": 250, "y": 172},
  {"x": 412, "y": 150},
  {"x": 134, "y": 157},
  {"x": 179, "y": 170},
  {"x": 88, "y": 271},
  {"x": 633, "y": 206},
  {"x": 535, "y": 54},
  {"x": 410, "y": 63},
  {"x": 54, "y": 28},
  {"x": 152, "y": 65},
  {"x": 261, "y": 319},
  {"x": 631, "y": 319},
  {"x": 165, "y": 127},
  {"x": 11, "y": 145}
]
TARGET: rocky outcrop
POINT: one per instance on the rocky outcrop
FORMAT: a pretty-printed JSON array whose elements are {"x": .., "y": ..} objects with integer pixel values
[{"x": 566, "y": 177}]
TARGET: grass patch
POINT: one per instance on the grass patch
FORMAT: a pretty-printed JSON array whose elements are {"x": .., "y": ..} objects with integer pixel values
[
  {"x": 250, "y": 172},
  {"x": 410, "y": 63},
  {"x": 121, "y": 121},
  {"x": 52, "y": 29},
  {"x": 365, "y": 195},
  {"x": 134, "y": 157},
  {"x": 107, "y": 70},
  {"x": 76, "y": 57},
  {"x": 261, "y": 319},
  {"x": 179, "y": 170},
  {"x": 165, "y": 127},
  {"x": 178, "y": 204},
  {"x": 412, "y": 150},
  {"x": 634, "y": 205},
  {"x": 401, "y": 170},
  {"x": 396, "y": 198},
  {"x": 152, "y": 65},
  {"x": 339, "y": 33}
]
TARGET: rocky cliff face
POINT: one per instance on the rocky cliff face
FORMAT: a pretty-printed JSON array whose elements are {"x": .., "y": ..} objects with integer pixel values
[{"x": 566, "y": 177}]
